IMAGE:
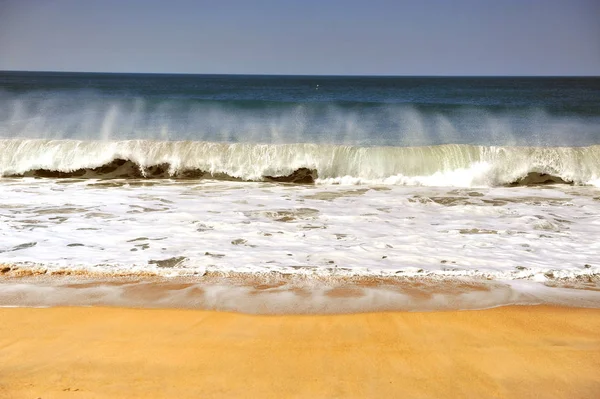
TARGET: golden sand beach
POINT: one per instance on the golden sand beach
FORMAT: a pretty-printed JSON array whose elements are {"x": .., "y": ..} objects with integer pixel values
[{"x": 94, "y": 352}]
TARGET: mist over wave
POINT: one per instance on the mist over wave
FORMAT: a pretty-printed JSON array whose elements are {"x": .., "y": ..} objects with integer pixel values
[{"x": 92, "y": 115}]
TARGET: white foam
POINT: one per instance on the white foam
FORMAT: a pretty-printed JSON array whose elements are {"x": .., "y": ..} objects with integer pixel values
[
  {"x": 443, "y": 165},
  {"x": 500, "y": 233}
]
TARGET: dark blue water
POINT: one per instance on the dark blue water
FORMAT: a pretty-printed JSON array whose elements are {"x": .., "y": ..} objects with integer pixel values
[{"x": 396, "y": 111}]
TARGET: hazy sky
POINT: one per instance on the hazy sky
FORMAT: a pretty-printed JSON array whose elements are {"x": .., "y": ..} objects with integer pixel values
[{"x": 426, "y": 37}]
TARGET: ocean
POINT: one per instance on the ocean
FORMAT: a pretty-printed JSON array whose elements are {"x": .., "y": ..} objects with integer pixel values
[{"x": 298, "y": 193}]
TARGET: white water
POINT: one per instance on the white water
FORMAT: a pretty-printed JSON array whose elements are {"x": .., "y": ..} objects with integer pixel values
[
  {"x": 128, "y": 225},
  {"x": 443, "y": 165}
]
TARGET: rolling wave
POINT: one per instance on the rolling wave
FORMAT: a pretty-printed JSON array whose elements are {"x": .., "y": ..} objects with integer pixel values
[{"x": 441, "y": 165}]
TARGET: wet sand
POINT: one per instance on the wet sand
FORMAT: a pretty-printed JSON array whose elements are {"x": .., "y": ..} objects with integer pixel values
[{"x": 509, "y": 352}]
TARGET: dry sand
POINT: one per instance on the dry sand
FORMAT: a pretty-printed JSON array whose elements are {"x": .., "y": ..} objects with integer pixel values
[{"x": 511, "y": 352}]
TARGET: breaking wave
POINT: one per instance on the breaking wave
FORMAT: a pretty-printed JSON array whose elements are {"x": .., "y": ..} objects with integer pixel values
[{"x": 441, "y": 165}]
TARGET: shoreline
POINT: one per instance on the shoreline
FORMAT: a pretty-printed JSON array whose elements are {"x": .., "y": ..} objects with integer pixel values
[
  {"x": 279, "y": 293},
  {"x": 170, "y": 268},
  {"x": 96, "y": 352}
]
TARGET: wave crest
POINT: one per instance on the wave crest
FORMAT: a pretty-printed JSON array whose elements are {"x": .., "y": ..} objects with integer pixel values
[{"x": 442, "y": 165}]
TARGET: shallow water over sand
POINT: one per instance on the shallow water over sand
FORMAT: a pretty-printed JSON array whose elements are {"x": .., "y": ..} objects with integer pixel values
[{"x": 277, "y": 293}]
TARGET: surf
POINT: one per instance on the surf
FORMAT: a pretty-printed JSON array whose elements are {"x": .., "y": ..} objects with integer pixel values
[{"x": 458, "y": 165}]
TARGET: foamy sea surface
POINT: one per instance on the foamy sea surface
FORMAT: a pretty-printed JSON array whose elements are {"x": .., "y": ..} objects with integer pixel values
[{"x": 514, "y": 239}]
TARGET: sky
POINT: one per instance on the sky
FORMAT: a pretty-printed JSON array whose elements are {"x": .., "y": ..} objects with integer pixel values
[{"x": 329, "y": 37}]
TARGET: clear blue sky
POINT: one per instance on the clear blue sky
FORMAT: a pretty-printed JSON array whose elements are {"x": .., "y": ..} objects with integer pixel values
[{"x": 427, "y": 37}]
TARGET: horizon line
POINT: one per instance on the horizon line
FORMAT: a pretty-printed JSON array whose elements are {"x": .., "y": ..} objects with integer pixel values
[{"x": 304, "y": 74}]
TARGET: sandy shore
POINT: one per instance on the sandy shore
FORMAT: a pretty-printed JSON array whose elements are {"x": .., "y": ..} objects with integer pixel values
[{"x": 511, "y": 352}]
